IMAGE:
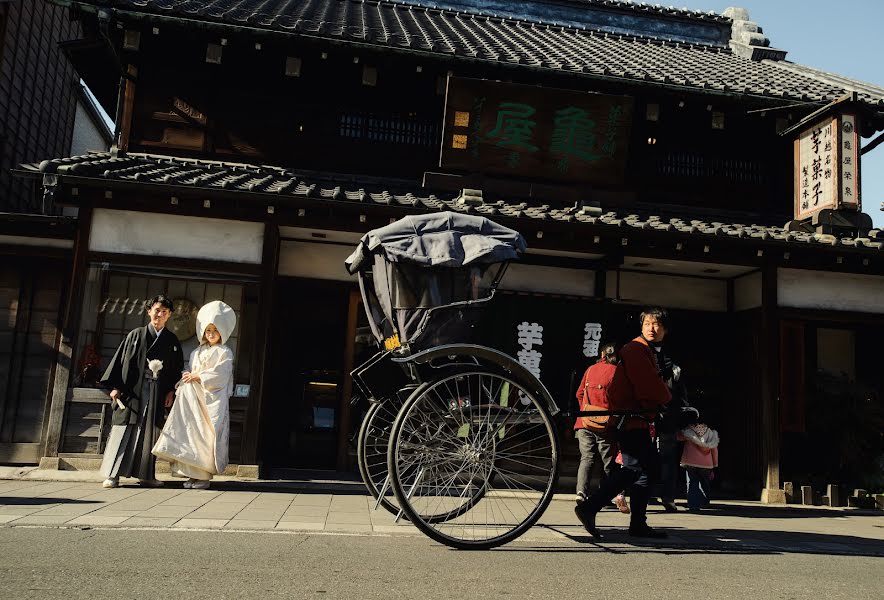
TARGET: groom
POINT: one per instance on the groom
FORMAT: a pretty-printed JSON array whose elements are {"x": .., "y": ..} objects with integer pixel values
[{"x": 136, "y": 416}]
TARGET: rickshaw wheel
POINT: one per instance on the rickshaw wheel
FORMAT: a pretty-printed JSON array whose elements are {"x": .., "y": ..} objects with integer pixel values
[
  {"x": 372, "y": 445},
  {"x": 478, "y": 446},
  {"x": 371, "y": 451}
]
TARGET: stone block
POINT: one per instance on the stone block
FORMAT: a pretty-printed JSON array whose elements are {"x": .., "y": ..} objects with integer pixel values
[
  {"x": 773, "y": 496},
  {"x": 806, "y": 495},
  {"x": 50, "y": 462},
  {"x": 80, "y": 464},
  {"x": 833, "y": 495},
  {"x": 789, "y": 489},
  {"x": 248, "y": 471}
]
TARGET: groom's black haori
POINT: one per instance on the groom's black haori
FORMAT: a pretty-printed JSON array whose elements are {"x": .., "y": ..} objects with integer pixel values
[{"x": 136, "y": 426}]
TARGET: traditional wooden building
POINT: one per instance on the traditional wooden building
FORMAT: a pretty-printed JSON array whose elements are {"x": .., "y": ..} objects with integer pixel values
[
  {"x": 645, "y": 152},
  {"x": 44, "y": 111}
]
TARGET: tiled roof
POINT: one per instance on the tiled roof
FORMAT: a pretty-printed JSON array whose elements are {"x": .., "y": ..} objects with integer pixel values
[
  {"x": 266, "y": 180},
  {"x": 637, "y": 7},
  {"x": 509, "y": 41}
]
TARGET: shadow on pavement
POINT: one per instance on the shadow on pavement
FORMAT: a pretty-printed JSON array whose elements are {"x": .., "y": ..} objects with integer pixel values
[
  {"x": 19, "y": 501},
  {"x": 718, "y": 541}
]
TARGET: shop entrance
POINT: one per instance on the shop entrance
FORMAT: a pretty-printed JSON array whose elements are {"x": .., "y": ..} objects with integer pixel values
[{"x": 308, "y": 418}]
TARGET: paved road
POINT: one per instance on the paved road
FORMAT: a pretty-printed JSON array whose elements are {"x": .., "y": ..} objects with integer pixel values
[{"x": 40, "y": 562}]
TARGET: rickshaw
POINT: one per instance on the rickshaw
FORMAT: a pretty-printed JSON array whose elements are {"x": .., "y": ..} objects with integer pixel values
[{"x": 459, "y": 438}]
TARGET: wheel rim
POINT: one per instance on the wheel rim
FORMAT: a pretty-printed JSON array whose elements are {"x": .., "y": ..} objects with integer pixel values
[
  {"x": 374, "y": 440},
  {"x": 478, "y": 448}
]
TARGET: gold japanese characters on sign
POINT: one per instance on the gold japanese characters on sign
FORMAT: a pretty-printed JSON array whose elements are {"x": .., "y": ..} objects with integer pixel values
[
  {"x": 827, "y": 173},
  {"x": 527, "y": 131}
]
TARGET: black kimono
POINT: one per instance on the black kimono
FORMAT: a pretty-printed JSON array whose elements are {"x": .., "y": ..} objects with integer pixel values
[{"x": 136, "y": 426}]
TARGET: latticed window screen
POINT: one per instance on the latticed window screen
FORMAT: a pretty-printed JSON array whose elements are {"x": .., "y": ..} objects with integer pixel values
[
  {"x": 389, "y": 128},
  {"x": 114, "y": 305}
]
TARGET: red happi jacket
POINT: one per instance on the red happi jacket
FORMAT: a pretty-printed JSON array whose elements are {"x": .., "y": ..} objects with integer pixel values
[{"x": 648, "y": 388}]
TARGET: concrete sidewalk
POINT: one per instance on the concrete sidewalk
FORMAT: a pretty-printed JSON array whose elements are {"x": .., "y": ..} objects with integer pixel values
[{"x": 342, "y": 507}]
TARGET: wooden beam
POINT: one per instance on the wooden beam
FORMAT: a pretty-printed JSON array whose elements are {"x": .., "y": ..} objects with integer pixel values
[
  {"x": 202, "y": 265},
  {"x": 873, "y": 144},
  {"x": 127, "y": 109},
  {"x": 770, "y": 379},
  {"x": 355, "y": 305},
  {"x": 67, "y": 339},
  {"x": 261, "y": 365}
]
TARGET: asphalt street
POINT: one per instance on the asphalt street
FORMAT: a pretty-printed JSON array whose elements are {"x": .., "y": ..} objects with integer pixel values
[{"x": 48, "y": 562}]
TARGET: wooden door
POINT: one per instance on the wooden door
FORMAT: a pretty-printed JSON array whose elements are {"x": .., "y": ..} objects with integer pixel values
[{"x": 30, "y": 301}]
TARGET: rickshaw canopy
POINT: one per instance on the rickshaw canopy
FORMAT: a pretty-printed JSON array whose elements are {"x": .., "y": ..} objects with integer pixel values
[{"x": 443, "y": 239}]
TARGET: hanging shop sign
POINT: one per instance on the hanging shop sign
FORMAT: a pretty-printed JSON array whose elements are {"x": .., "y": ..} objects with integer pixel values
[{"x": 827, "y": 167}]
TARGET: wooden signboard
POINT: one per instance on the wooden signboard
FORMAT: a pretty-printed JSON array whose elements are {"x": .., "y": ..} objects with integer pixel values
[
  {"x": 827, "y": 173},
  {"x": 534, "y": 132}
]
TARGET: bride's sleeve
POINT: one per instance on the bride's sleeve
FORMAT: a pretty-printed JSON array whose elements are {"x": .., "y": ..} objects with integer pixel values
[{"x": 217, "y": 377}]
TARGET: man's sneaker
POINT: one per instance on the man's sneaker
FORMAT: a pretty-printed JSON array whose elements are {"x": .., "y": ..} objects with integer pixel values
[
  {"x": 153, "y": 483},
  {"x": 111, "y": 482},
  {"x": 669, "y": 506},
  {"x": 647, "y": 532},
  {"x": 587, "y": 519}
]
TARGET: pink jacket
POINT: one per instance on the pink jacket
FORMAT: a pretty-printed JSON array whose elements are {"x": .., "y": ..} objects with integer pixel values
[{"x": 700, "y": 448}]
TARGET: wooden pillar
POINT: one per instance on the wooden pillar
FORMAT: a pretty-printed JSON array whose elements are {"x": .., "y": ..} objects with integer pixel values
[
  {"x": 127, "y": 108},
  {"x": 770, "y": 380},
  {"x": 355, "y": 304},
  {"x": 67, "y": 340},
  {"x": 261, "y": 364}
]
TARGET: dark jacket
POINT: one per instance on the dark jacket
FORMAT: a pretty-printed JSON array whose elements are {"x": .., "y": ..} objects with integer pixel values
[{"x": 128, "y": 368}]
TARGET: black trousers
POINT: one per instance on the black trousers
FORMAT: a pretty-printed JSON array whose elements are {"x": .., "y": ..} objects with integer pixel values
[{"x": 640, "y": 468}]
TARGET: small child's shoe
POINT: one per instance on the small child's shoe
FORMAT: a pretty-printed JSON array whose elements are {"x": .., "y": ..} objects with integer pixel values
[
  {"x": 622, "y": 506},
  {"x": 111, "y": 482},
  {"x": 581, "y": 498},
  {"x": 200, "y": 484}
]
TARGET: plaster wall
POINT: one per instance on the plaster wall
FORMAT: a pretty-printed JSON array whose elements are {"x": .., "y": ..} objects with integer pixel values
[
  {"x": 549, "y": 280},
  {"x": 86, "y": 135},
  {"x": 326, "y": 261},
  {"x": 315, "y": 261},
  {"x": 830, "y": 291},
  {"x": 175, "y": 236},
  {"x": 747, "y": 292},
  {"x": 692, "y": 293}
]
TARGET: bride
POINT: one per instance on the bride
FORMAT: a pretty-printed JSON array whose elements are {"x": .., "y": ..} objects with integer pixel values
[{"x": 195, "y": 437}]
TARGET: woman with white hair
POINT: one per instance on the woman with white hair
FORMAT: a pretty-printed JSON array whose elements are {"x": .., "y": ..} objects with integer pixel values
[{"x": 195, "y": 437}]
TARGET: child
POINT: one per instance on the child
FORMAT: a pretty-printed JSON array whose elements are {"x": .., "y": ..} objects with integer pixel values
[
  {"x": 699, "y": 457},
  {"x": 620, "y": 499},
  {"x": 195, "y": 437}
]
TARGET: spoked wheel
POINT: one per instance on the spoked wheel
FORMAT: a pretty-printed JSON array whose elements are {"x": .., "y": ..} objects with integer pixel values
[
  {"x": 479, "y": 448},
  {"x": 371, "y": 449},
  {"x": 373, "y": 443}
]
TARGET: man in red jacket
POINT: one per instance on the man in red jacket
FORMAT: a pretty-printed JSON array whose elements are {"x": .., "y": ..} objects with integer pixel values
[{"x": 649, "y": 393}]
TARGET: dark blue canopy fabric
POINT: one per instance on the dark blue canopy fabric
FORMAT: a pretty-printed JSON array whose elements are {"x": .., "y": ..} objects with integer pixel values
[{"x": 443, "y": 239}]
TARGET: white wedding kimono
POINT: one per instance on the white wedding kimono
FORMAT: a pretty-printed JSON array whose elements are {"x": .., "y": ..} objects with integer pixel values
[{"x": 195, "y": 437}]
